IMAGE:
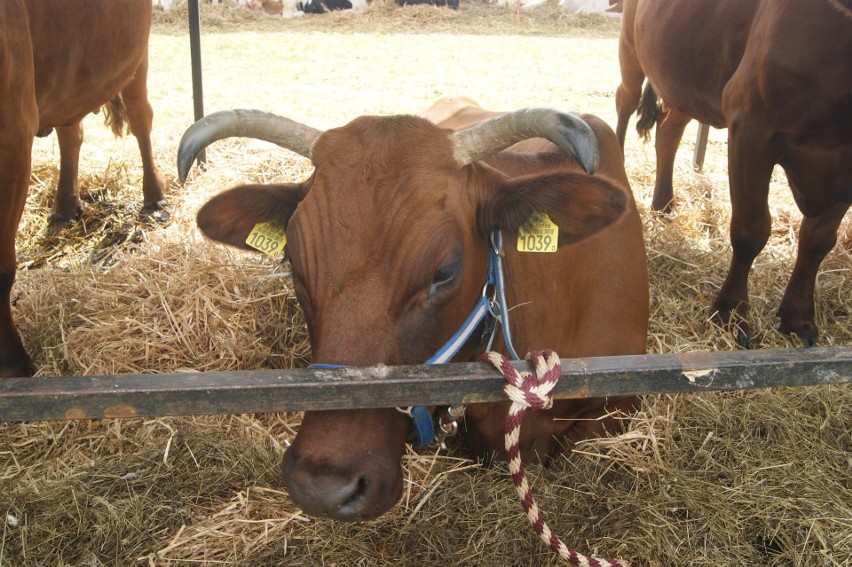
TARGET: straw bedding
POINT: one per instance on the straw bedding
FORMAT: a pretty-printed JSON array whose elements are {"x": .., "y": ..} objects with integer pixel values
[{"x": 744, "y": 478}]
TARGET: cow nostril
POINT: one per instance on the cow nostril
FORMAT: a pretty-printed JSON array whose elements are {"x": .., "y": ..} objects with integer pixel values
[
  {"x": 353, "y": 505},
  {"x": 333, "y": 495},
  {"x": 354, "y": 490}
]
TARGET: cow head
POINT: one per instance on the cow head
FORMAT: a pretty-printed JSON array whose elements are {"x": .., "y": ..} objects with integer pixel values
[{"x": 388, "y": 243}]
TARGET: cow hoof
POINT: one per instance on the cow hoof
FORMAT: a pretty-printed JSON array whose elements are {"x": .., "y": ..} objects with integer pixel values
[
  {"x": 158, "y": 212},
  {"x": 736, "y": 325},
  {"x": 663, "y": 208},
  {"x": 806, "y": 331},
  {"x": 741, "y": 335},
  {"x": 18, "y": 367},
  {"x": 56, "y": 222}
]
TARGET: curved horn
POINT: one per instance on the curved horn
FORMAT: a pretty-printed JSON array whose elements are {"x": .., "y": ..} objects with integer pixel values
[
  {"x": 247, "y": 124},
  {"x": 566, "y": 130}
]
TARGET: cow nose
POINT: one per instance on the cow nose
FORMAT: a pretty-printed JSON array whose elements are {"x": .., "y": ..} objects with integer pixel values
[
  {"x": 355, "y": 493},
  {"x": 347, "y": 464},
  {"x": 327, "y": 495}
]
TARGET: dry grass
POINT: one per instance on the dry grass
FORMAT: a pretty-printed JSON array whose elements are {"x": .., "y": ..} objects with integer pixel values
[
  {"x": 384, "y": 17},
  {"x": 744, "y": 478}
]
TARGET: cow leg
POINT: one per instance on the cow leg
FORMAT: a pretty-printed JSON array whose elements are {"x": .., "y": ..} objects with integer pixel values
[
  {"x": 18, "y": 125},
  {"x": 817, "y": 237},
  {"x": 749, "y": 172},
  {"x": 628, "y": 92},
  {"x": 14, "y": 180},
  {"x": 140, "y": 117},
  {"x": 66, "y": 203},
  {"x": 669, "y": 133}
]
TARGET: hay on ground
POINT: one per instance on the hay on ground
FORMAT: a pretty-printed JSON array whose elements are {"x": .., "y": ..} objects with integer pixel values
[{"x": 743, "y": 478}]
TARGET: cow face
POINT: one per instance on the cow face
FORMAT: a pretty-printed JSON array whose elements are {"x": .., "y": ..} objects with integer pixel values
[{"x": 388, "y": 245}]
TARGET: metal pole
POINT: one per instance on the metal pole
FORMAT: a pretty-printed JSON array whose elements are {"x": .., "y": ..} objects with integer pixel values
[
  {"x": 194, "y": 393},
  {"x": 700, "y": 146},
  {"x": 195, "y": 52}
]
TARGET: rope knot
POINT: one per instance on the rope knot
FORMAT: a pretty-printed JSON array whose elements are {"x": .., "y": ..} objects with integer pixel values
[{"x": 528, "y": 389}]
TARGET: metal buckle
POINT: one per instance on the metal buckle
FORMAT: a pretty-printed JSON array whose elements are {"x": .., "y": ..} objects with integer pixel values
[{"x": 448, "y": 424}]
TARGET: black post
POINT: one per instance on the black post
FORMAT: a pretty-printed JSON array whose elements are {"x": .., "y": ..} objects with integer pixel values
[{"x": 195, "y": 51}]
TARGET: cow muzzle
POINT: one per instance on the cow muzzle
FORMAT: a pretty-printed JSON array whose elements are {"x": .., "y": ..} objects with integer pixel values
[{"x": 346, "y": 465}]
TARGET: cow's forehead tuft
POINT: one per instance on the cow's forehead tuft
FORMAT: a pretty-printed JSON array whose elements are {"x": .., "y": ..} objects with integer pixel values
[{"x": 392, "y": 145}]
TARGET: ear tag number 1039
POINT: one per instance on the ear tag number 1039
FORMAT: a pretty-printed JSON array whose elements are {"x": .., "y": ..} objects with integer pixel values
[
  {"x": 267, "y": 237},
  {"x": 538, "y": 234}
]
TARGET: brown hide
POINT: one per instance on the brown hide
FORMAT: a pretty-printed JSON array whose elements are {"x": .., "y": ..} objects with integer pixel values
[
  {"x": 18, "y": 125},
  {"x": 62, "y": 59},
  {"x": 778, "y": 75},
  {"x": 374, "y": 239},
  {"x": 843, "y": 6},
  {"x": 87, "y": 53},
  {"x": 595, "y": 288}
]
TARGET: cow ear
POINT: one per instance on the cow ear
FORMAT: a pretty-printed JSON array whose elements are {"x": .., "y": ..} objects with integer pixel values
[
  {"x": 230, "y": 216},
  {"x": 579, "y": 204}
]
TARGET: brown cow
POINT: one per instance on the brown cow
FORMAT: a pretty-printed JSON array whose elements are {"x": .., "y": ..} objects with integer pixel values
[
  {"x": 18, "y": 126},
  {"x": 62, "y": 59},
  {"x": 778, "y": 75},
  {"x": 388, "y": 242},
  {"x": 87, "y": 54}
]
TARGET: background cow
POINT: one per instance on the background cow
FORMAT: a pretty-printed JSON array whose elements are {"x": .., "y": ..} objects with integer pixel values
[
  {"x": 108, "y": 65},
  {"x": 18, "y": 125},
  {"x": 323, "y": 6},
  {"x": 778, "y": 75},
  {"x": 454, "y": 4},
  {"x": 293, "y": 8},
  {"x": 67, "y": 59},
  {"x": 388, "y": 243}
]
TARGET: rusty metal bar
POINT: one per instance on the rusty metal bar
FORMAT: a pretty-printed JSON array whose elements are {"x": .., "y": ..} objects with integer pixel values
[{"x": 195, "y": 393}]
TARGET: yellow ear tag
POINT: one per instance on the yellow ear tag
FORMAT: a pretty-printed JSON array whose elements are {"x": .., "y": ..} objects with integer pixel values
[
  {"x": 267, "y": 237},
  {"x": 538, "y": 234}
]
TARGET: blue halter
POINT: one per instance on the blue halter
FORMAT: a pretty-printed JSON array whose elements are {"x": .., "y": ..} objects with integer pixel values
[{"x": 495, "y": 305}]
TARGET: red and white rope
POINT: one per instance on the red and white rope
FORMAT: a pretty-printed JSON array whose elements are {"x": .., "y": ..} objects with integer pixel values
[{"x": 532, "y": 390}]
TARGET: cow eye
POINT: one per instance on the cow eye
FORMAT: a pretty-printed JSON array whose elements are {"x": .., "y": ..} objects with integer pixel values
[{"x": 444, "y": 277}]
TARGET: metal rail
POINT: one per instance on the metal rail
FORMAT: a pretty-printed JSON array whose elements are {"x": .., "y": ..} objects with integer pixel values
[{"x": 196, "y": 393}]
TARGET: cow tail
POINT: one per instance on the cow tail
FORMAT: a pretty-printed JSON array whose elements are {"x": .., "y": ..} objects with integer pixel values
[
  {"x": 648, "y": 111},
  {"x": 115, "y": 116}
]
